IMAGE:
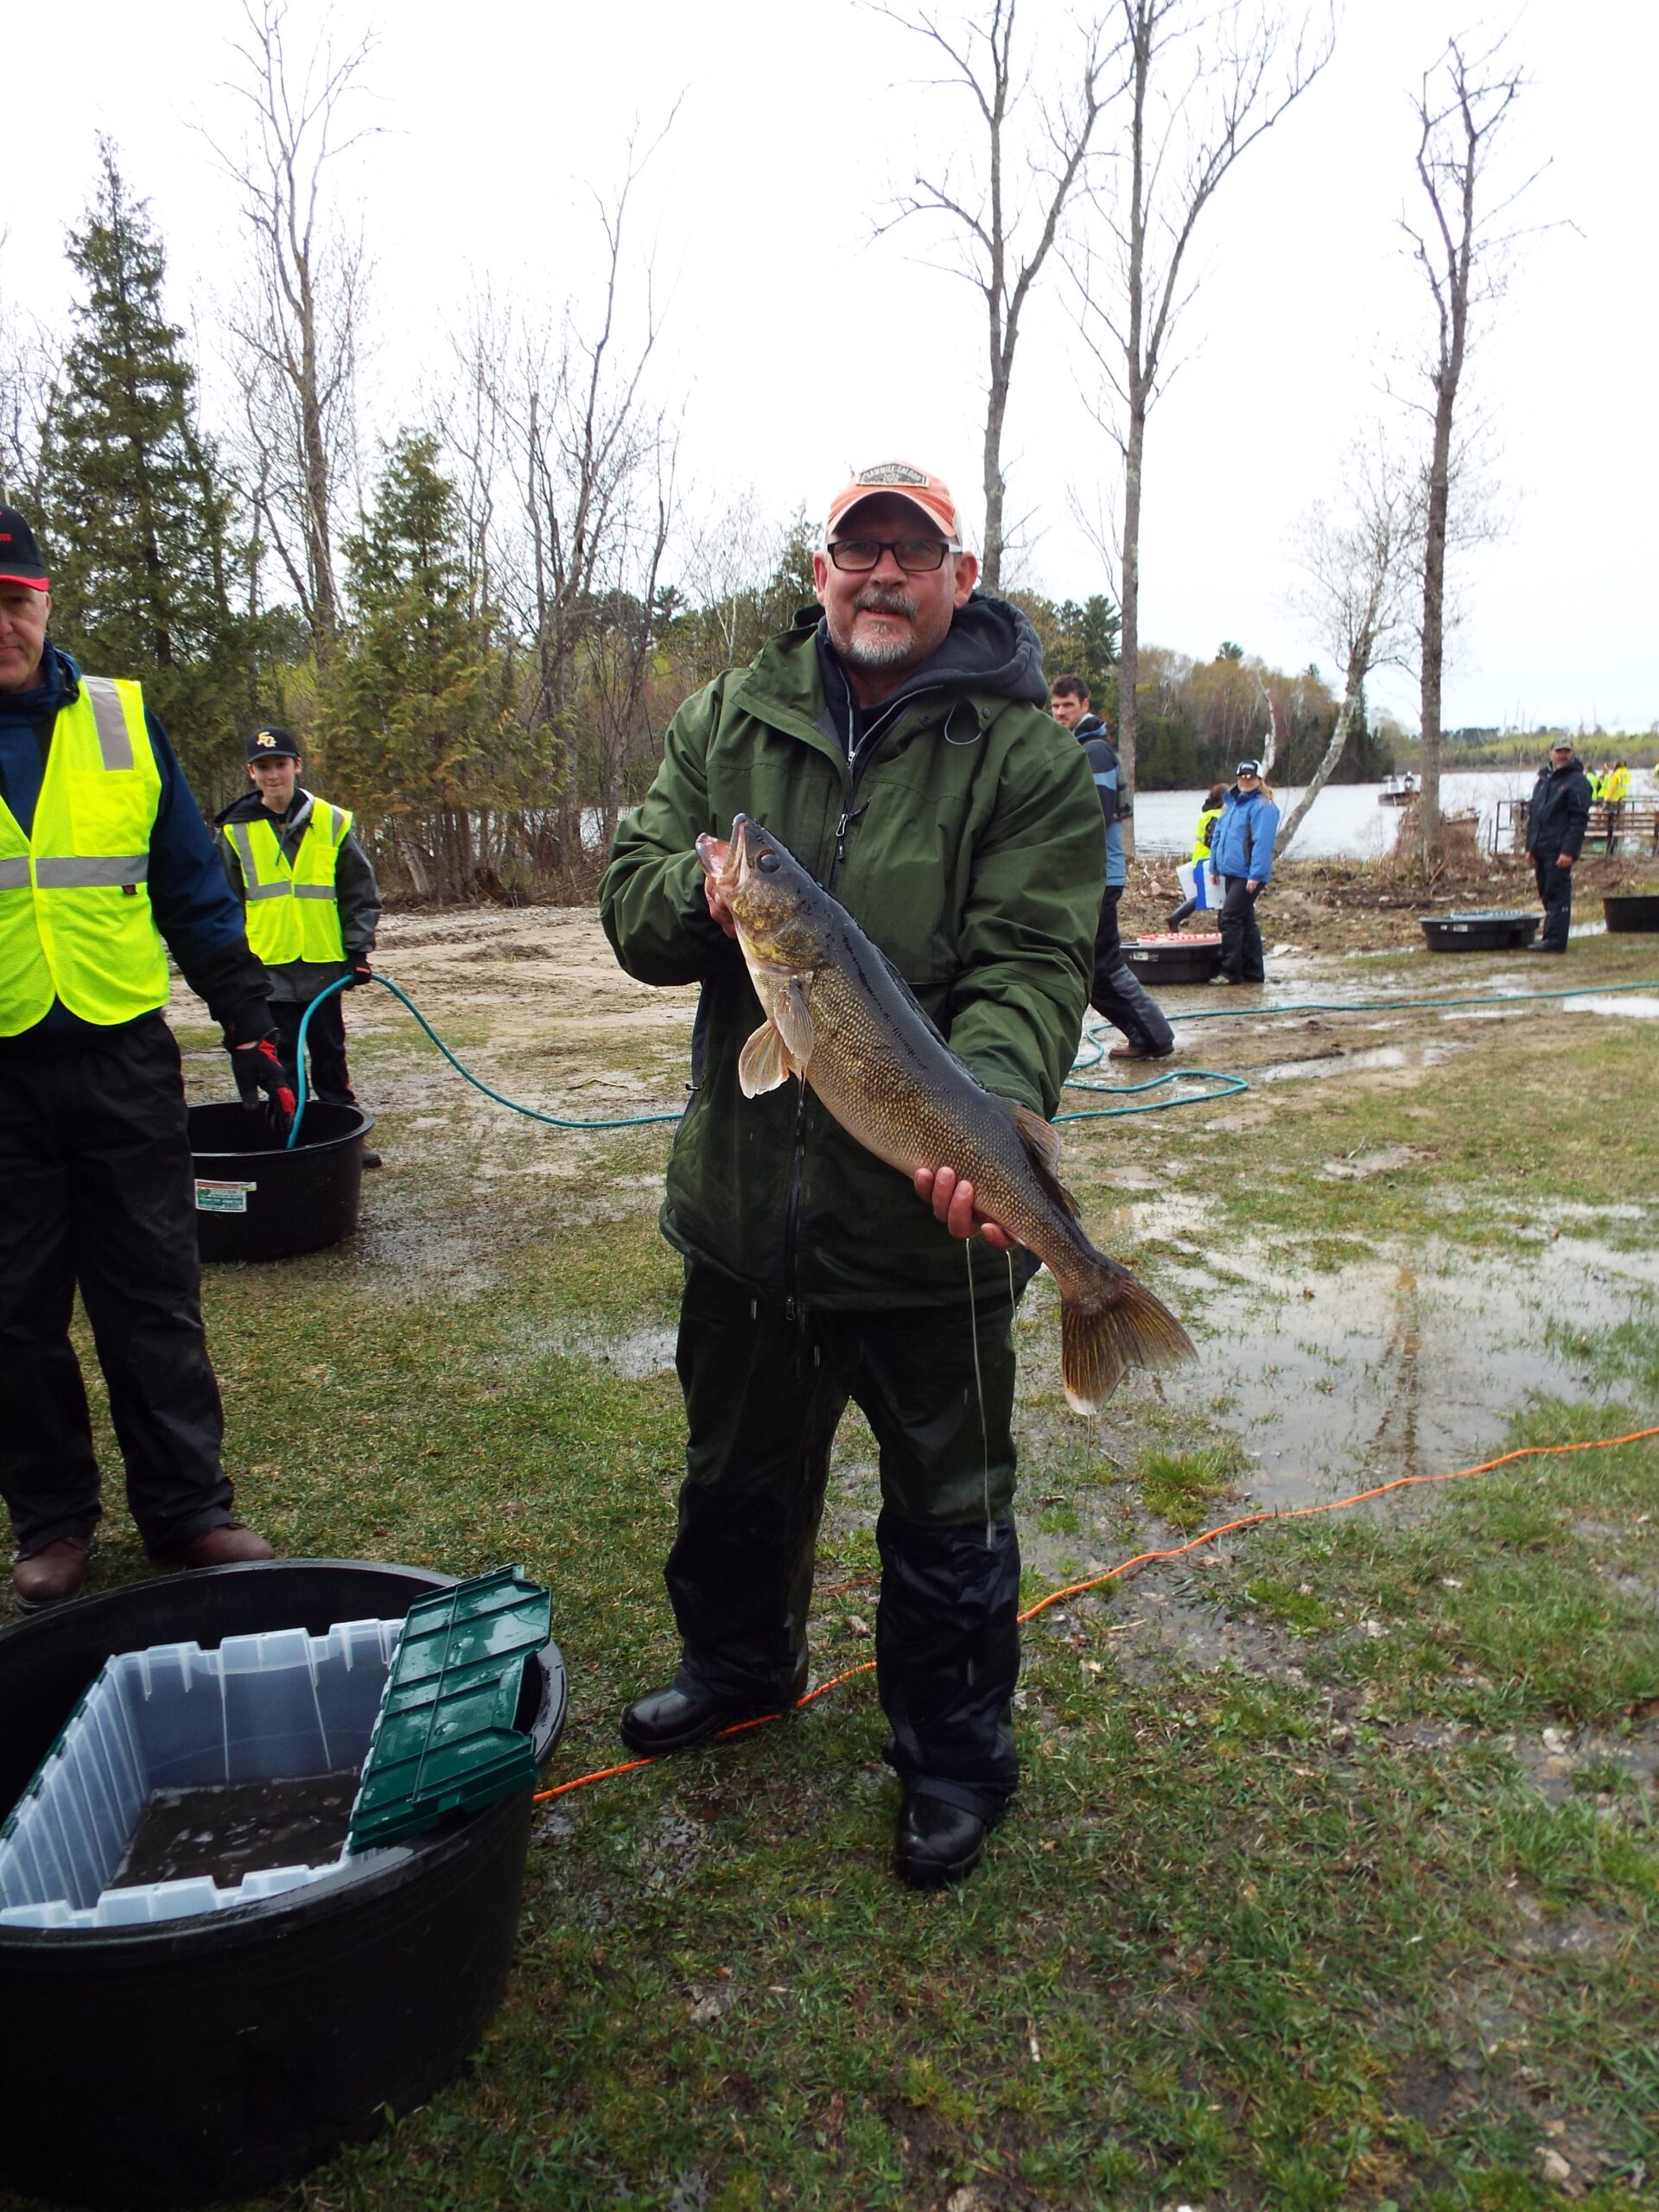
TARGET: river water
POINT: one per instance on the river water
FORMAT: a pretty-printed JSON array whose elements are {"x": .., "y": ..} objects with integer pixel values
[{"x": 1345, "y": 821}]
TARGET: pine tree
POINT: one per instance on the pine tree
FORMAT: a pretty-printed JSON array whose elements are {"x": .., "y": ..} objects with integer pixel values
[
  {"x": 411, "y": 715},
  {"x": 138, "y": 520}
]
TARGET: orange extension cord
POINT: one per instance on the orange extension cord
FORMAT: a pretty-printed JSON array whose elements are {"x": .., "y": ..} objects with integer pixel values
[{"x": 1143, "y": 1559}]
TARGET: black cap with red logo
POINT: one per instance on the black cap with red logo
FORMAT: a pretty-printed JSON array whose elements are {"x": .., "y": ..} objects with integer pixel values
[{"x": 20, "y": 557}]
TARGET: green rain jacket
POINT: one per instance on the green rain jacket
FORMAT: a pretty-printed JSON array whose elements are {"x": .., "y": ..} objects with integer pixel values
[{"x": 964, "y": 838}]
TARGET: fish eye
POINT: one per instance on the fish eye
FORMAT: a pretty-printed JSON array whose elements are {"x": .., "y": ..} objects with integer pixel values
[{"x": 767, "y": 861}]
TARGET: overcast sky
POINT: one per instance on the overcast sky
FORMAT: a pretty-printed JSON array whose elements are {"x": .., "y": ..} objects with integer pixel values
[{"x": 800, "y": 345}]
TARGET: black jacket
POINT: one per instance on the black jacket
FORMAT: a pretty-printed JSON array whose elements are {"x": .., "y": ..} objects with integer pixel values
[{"x": 1560, "y": 811}]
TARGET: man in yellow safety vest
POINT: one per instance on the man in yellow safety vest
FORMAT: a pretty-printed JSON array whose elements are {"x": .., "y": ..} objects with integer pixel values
[
  {"x": 105, "y": 867},
  {"x": 312, "y": 905}
]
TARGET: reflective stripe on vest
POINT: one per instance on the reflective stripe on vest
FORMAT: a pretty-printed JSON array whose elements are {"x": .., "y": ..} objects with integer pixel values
[
  {"x": 280, "y": 927},
  {"x": 75, "y": 920}
]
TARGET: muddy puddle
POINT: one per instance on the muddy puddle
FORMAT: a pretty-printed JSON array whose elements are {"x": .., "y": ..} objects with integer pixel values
[{"x": 1397, "y": 1364}]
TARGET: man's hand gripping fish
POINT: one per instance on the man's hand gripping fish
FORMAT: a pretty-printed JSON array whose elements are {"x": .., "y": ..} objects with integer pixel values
[{"x": 840, "y": 1018}]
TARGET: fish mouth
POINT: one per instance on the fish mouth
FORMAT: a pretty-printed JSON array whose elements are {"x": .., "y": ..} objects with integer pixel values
[{"x": 723, "y": 859}]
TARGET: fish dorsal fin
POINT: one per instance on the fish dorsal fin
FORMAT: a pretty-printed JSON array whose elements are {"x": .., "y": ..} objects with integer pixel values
[
  {"x": 764, "y": 1064},
  {"x": 1042, "y": 1143},
  {"x": 793, "y": 1018}
]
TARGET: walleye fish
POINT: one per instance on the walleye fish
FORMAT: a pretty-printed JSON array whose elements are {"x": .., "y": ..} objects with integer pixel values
[{"x": 840, "y": 1018}]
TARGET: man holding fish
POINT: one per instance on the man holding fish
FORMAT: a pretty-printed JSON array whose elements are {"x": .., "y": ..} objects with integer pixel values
[{"x": 871, "y": 840}]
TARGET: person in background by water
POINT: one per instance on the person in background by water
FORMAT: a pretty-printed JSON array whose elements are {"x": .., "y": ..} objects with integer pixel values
[
  {"x": 312, "y": 903},
  {"x": 1241, "y": 863},
  {"x": 1208, "y": 814},
  {"x": 105, "y": 867},
  {"x": 1558, "y": 815},
  {"x": 1116, "y": 991}
]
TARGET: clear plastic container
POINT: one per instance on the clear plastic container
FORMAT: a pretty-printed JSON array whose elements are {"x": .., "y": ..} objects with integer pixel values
[{"x": 284, "y": 1705}]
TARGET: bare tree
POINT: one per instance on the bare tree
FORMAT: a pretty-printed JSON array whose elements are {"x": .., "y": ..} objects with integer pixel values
[
  {"x": 297, "y": 326},
  {"x": 1204, "y": 83},
  {"x": 586, "y": 501},
  {"x": 1007, "y": 206},
  {"x": 26, "y": 375},
  {"x": 1462, "y": 249},
  {"x": 1360, "y": 565}
]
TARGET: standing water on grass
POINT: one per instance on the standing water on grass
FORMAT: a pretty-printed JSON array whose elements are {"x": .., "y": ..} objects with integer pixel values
[{"x": 1395, "y": 1364}]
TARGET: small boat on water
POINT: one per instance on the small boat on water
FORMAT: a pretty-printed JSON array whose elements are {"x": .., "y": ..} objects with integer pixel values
[{"x": 1398, "y": 793}]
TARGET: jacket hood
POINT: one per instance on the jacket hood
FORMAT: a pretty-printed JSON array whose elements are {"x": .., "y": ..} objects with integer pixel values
[
  {"x": 248, "y": 806},
  {"x": 63, "y": 682},
  {"x": 989, "y": 647}
]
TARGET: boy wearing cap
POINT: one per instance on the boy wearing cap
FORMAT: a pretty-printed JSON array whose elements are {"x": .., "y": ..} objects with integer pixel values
[
  {"x": 312, "y": 905},
  {"x": 1241, "y": 863},
  {"x": 896, "y": 740},
  {"x": 105, "y": 867}
]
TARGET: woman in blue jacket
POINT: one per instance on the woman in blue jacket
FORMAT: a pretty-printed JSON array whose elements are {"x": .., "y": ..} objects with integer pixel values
[{"x": 1241, "y": 863}]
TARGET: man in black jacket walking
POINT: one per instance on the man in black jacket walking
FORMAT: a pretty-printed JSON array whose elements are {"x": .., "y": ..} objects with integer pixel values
[{"x": 1556, "y": 821}]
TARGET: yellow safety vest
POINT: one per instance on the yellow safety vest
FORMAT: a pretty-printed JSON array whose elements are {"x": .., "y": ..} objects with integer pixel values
[
  {"x": 75, "y": 922},
  {"x": 293, "y": 912},
  {"x": 1207, "y": 820},
  {"x": 1616, "y": 785}
]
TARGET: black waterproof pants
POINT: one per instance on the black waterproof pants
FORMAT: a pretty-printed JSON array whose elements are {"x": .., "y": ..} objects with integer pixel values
[
  {"x": 1117, "y": 991},
  {"x": 1556, "y": 894},
  {"x": 325, "y": 1043},
  {"x": 1241, "y": 933},
  {"x": 763, "y": 1397},
  {"x": 97, "y": 1189}
]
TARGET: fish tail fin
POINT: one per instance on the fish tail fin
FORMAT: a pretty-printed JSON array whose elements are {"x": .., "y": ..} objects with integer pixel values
[{"x": 1112, "y": 1322}]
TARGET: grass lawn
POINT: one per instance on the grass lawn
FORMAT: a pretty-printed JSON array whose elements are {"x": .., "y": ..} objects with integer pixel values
[{"x": 1333, "y": 1880}]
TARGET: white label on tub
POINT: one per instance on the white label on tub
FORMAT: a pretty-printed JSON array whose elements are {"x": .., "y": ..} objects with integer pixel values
[{"x": 222, "y": 1198}]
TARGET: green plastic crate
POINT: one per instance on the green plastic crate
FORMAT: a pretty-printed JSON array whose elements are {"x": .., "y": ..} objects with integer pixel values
[{"x": 445, "y": 1740}]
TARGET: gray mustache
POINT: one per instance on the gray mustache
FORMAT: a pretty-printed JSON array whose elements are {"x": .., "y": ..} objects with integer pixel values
[{"x": 878, "y": 599}]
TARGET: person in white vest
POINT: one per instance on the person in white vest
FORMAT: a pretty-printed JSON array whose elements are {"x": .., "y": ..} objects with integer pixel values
[{"x": 312, "y": 905}]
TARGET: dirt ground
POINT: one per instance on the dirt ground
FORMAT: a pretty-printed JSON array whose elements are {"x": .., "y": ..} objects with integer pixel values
[{"x": 1363, "y": 906}]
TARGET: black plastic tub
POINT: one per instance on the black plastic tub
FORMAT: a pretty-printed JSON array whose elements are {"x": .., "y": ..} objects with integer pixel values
[
  {"x": 1173, "y": 959},
  {"x": 1502, "y": 930},
  {"x": 190, "y": 2060},
  {"x": 1632, "y": 912},
  {"x": 255, "y": 1200}
]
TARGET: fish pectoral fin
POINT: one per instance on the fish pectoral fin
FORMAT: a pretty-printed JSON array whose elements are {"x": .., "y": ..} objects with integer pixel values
[
  {"x": 1042, "y": 1143},
  {"x": 794, "y": 1019},
  {"x": 764, "y": 1064}
]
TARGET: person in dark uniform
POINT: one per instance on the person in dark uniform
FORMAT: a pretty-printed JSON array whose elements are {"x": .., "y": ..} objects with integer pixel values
[
  {"x": 312, "y": 905},
  {"x": 105, "y": 867},
  {"x": 1115, "y": 990},
  {"x": 1557, "y": 818}
]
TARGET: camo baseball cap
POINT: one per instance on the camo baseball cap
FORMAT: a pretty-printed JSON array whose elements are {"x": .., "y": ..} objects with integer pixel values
[{"x": 929, "y": 495}]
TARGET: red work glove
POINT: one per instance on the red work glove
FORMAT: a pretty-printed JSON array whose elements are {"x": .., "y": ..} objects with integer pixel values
[{"x": 263, "y": 1064}]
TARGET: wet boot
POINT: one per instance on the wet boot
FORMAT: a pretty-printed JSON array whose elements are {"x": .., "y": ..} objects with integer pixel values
[{"x": 947, "y": 1648}]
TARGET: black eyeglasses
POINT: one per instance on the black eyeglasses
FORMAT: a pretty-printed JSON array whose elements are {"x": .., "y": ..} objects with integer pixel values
[{"x": 917, "y": 556}]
